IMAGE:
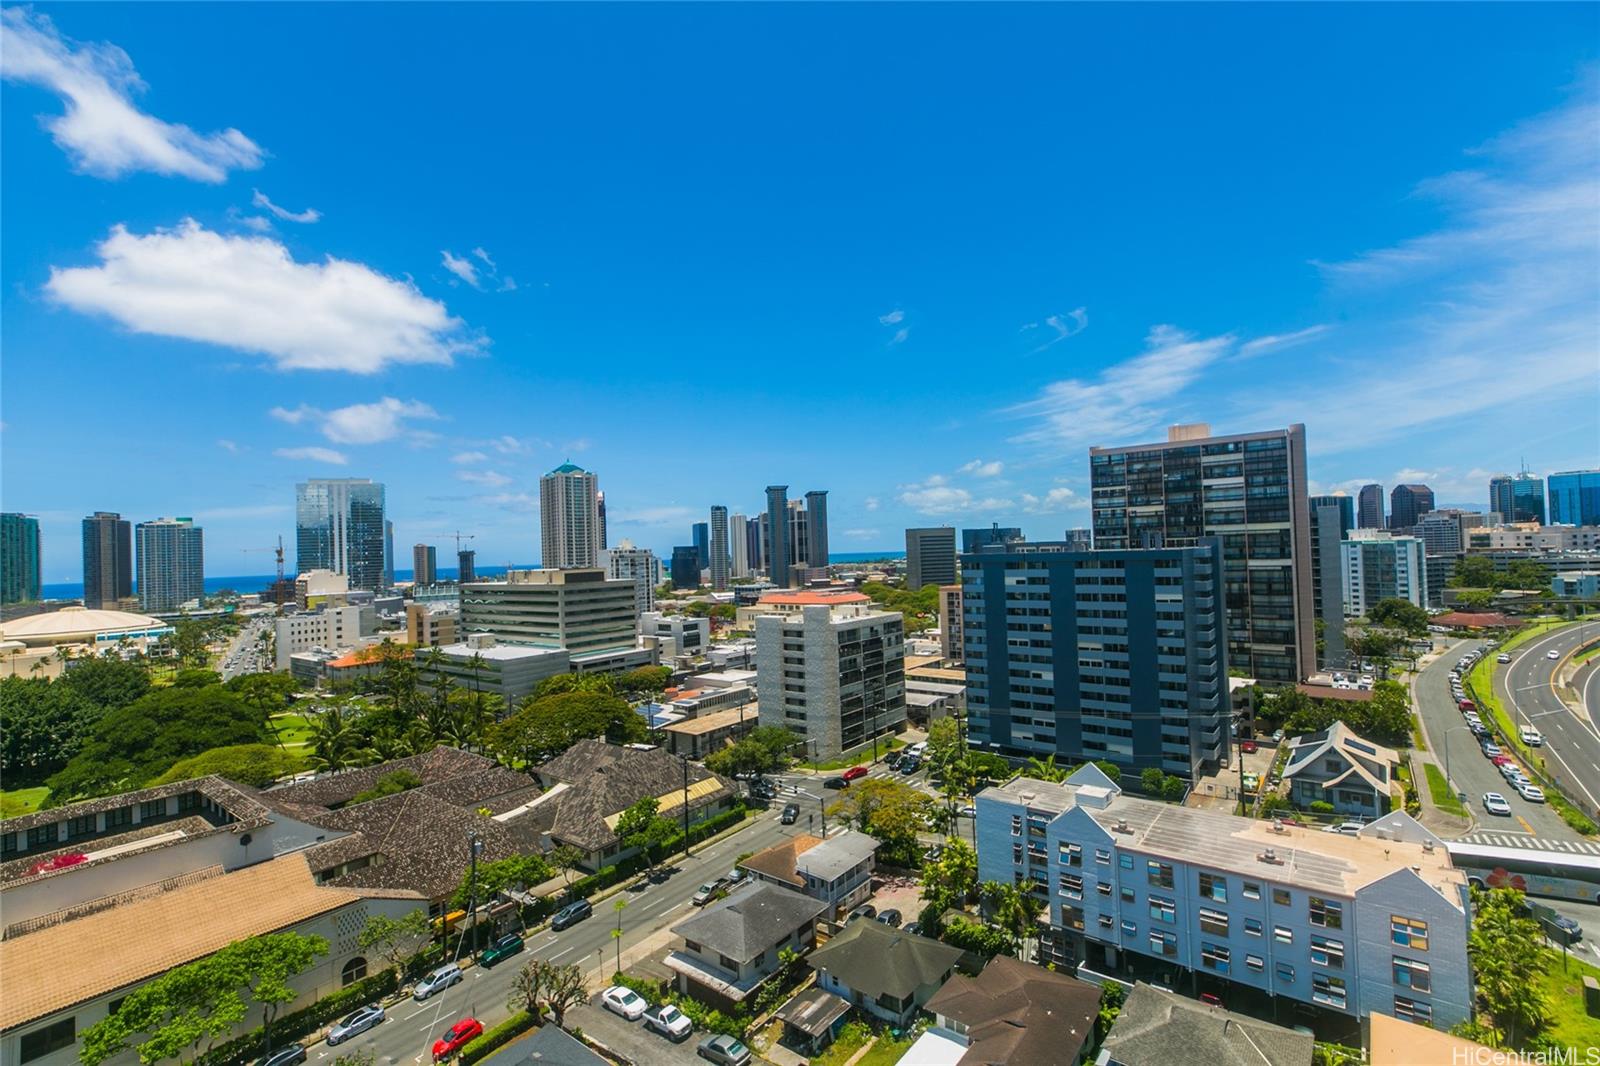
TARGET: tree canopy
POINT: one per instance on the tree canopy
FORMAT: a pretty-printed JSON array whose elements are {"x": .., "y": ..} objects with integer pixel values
[
  {"x": 890, "y": 810},
  {"x": 549, "y": 725},
  {"x": 921, "y": 608},
  {"x": 1399, "y": 613},
  {"x": 251, "y": 764}
]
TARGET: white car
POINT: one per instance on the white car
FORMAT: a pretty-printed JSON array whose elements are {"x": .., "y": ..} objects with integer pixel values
[
  {"x": 1509, "y": 770},
  {"x": 1502, "y": 658},
  {"x": 1495, "y": 803},
  {"x": 1552, "y": 654},
  {"x": 669, "y": 1021},
  {"x": 1532, "y": 737},
  {"x": 624, "y": 1001},
  {"x": 1349, "y": 829},
  {"x": 1530, "y": 792}
]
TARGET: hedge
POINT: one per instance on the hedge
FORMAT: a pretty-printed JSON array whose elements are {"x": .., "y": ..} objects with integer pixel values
[
  {"x": 607, "y": 876},
  {"x": 307, "y": 1020},
  {"x": 500, "y": 1035}
]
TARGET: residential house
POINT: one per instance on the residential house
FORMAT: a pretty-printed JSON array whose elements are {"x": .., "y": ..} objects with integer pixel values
[
  {"x": 732, "y": 946},
  {"x": 546, "y": 1045},
  {"x": 1017, "y": 1013},
  {"x": 885, "y": 972},
  {"x": 837, "y": 871},
  {"x": 1157, "y": 1028},
  {"x": 812, "y": 1019},
  {"x": 1336, "y": 766}
]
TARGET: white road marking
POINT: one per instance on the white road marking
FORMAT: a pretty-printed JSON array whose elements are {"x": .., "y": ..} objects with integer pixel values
[{"x": 569, "y": 951}]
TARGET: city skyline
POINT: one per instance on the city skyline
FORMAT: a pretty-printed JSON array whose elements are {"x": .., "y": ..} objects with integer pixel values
[{"x": 1108, "y": 326}]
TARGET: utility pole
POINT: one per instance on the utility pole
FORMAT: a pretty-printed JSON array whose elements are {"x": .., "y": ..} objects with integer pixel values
[
  {"x": 474, "y": 845},
  {"x": 685, "y": 760}
]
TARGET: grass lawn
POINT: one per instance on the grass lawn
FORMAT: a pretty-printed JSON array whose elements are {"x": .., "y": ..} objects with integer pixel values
[
  {"x": 860, "y": 755},
  {"x": 294, "y": 730},
  {"x": 1439, "y": 789},
  {"x": 851, "y": 1037},
  {"x": 1569, "y": 1025},
  {"x": 886, "y": 1052},
  {"x": 21, "y": 801}
]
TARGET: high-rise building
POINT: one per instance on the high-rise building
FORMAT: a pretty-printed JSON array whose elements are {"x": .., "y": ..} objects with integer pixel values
[
  {"x": 578, "y": 609},
  {"x": 388, "y": 554},
  {"x": 1407, "y": 503},
  {"x": 831, "y": 669},
  {"x": 685, "y": 567},
  {"x": 107, "y": 560},
  {"x": 777, "y": 541},
  {"x": 930, "y": 556},
  {"x": 600, "y": 511},
  {"x": 424, "y": 564},
  {"x": 171, "y": 563},
  {"x": 19, "y": 558},
  {"x": 466, "y": 565},
  {"x": 952, "y": 628},
  {"x": 1080, "y": 539},
  {"x": 738, "y": 546},
  {"x": 1116, "y": 654},
  {"x": 340, "y": 526},
  {"x": 817, "y": 528},
  {"x": 754, "y": 555},
  {"x": 1575, "y": 498},
  {"x": 719, "y": 547},
  {"x": 700, "y": 537},
  {"x": 1369, "y": 509},
  {"x": 1331, "y": 522},
  {"x": 973, "y": 539},
  {"x": 569, "y": 518},
  {"x": 1518, "y": 498},
  {"x": 626, "y": 562},
  {"x": 1249, "y": 489},
  {"x": 1380, "y": 566}
]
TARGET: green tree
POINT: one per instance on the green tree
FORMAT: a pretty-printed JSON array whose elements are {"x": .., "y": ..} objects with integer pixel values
[
  {"x": 1475, "y": 599},
  {"x": 645, "y": 680},
  {"x": 544, "y": 986},
  {"x": 189, "y": 640},
  {"x": 1399, "y": 613},
  {"x": 337, "y": 741},
  {"x": 43, "y": 724},
  {"x": 1527, "y": 574},
  {"x": 527, "y": 988},
  {"x": 1150, "y": 781},
  {"x": 1045, "y": 769},
  {"x": 395, "y": 939},
  {"x": 642, "y": 827},
  {"x": 515, "y": 872},
  {"x": 1508, "y": 956},
  {"x": 196, "y": 678},
  {"x": 390, "y": 784},
  {"x": 1475, "y": 572},
  {"x": 944, "y": 744},
  {"x": 107, "y": 683},
  {"x": 257, "y": 765},
  {"x": 548, "y": 725},
  {"x": 951, "y": 878},
  {"x": 890, "y": 810},
  {"x": 565, "y": 859},
  {"x": 1111, "y": 999}
]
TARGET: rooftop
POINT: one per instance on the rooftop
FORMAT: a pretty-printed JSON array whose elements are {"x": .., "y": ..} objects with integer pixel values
[
  {"x": 813, "y": 597},
  {"x": 1020, "y": 1014},
  {"x": 1157, "y": 1027},
  {"x": 547, "y": 1045},
  {"x": 74, "y": 621},
  {"x": 707, "y": 723},
  {"x": 837, "y": 855},
  {"x": 750, "y": 920},
  {"x": 875, "y": 959},
  {"x": 813, "y": 1011},
  {"x": 781, "y": 860}
]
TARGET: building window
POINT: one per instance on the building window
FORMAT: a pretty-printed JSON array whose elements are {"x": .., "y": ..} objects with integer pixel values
[
  {"x": 80, "y": 827},
  {"x": 1417, "y": 976},
  {"x": 1125, "y": 861},
  {"x": 1326, "y": 913},
  {"x": 1129, "y": 929},
  {"x": 1280, "y": 897},
  {"x": 1163, "y": 943},
  {"x": 1255, "y": 963},
  {"x": 1326, "y": 989},
  {"x": 1413, "y": 1010},
  {"x": 1215, "y": 957},
  {"x": 1163, "y": 910},
  {"x": 1072, "y": 917},
  {"x": 1213, "y": 922},
  {"x": 690, "y": 945},
  {"x": 1252, "y": 926},
  {"x": 1016, "y": 825},
  {"x": 119, "y": 816},
  {"x": 731, "y": 965},
  {"x": 8, "y": 844},
  {"x": 188, "y": 801},
  {"x": 1070, "y": 854},
  {"x": 1408, "y": 933},
  {"x": 1214, "y": 888},
  {"x": 1106, "y": 921},
  {"x": 1126, "y": 895},
  {"x": 1329, "y": 953},
  {"x": 1283, "y": 934},
  {"x": 1102, "y": 856},
  {"x": 41, "y": 1042},
  {"x": 353, "y": 971},
  {"x": 42, "y": 836},
  {"x": 1104, "y": 888},
  {"x": 1159, "y": 873},
  {"x": 150, "y": 810},
  {"x": 1286, "y": 973},
  {"x": 1252, "y": 890},
  {"x": 1072, "y": 886}
]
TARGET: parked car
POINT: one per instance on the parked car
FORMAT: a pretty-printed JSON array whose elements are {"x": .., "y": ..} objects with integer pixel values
[
  {"x": 914, "y": 928},
  {"x": 969, "y": 811},
  {"x": 836, "y": 782},
  {"x": 910, "y": 764},
  {"x": 893, "y": 761},
  {"x": 1530, "y": 792},
  {"x": 855, "y": 773},
  {"x": 1248, "y": 747},
  {"x": 1500, "y": 760},
  {"x": 1495, "y": 803},
  {"x": 866, "y": 910},
  {"x": 1532, "y": 737},
  {"x": 762, "y": 789},
  {"x": 1502, "y": 658},
  {"x": 571, "y": 914},
  {"x": 724, "y": 1050},
  {"x": 290, "y": 1054},
  {"x": 1349, "y": 829},
  {"x": 457, "y": 1037},
  {"x": 737, "y": 877},
  {"x": 890, "y": 917},
  {"x": 791, "y": 812},
  {"x": 669, "y": 1021},
  {"x": 436, "y": 981},
  {"x": 709, "y": 891},
  {"x": 356, "y": 1022},
  {"x": 1510, "y": 769},
  {"x": 1491, "y": 749},
  {"x": 1212, "y": 998},
  {"x": 1467, "y": 705},
  {"x": 501, "y": 949},
  {"x": 623, "y": 1001}
]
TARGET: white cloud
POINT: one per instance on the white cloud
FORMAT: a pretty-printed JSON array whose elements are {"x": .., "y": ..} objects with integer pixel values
[
  {"x": 360, "y": 423},
  {"x": 1411, "y": 476},
  {"x": 100, "y": 129},
  {"x": 935, "y": 496},
  {"x": 461, "y": 268},
  {"x": 509, "y": 445},
  {"x": 861, "y": 534},
  {"x": 871, "y": 503},
  {"x": 258, "y": 223},
  {"x": 228, "y": 445},
  {"x": 310, "y": 214},
  {"x": 468, "y": 457},
  {"x": 1281, "y": 340},
  {"x": 489, "y": 478},
  {"x": 313, "y": 454},
  {"x": 979, "y": 468},
  {"x": 481, "y": 254},
  {"x": 511, "y": 501},
  {"x": 248, "y": 293},
  {"x": 572, "y": 447},
  {"x": 1067, "y": 325},
  {"x": 1053, "y": 501},
  {"x": 671, "y": 515},
  {"x": 900, "y": 336},
  {"x": 893, "y": 318}
]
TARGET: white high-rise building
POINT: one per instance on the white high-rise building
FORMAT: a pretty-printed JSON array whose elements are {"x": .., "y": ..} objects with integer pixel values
[
  {"x": 739, "y": 545},
  {"x": 719, "y": 547},
  {"x": 569, "y": 518},
  {"x": 1378, "y": 566},
  {"x": 626, "y": 562},
  {"x": 171, "y": 563}
]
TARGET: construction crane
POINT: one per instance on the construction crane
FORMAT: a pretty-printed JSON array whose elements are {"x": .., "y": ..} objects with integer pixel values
[
  {"x": 460, "y": 536},
  {"x": 277, "y": 589},
  {"x": 462, "y": 574}
]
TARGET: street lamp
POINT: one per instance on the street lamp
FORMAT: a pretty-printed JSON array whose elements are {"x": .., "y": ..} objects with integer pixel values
[
  {"x": 474, "y": 845},
  {"x": 685, "y": 760},
  {"x": 1453, "y": 729}
]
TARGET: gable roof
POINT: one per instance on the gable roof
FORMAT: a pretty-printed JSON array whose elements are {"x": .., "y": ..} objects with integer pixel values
[
  {"x": 876, "y": 960},
  {"x": 779, "y": 860},
  {"x": 1157, "y": 1027},
  {"x": 1020, "y": 1014},
  {"x": 837, "y": 855},
  {"x": 750, "y": 920},
  {"x": 547, "y": 1045},
  {"x": 602, "y": 780},
  {"x": 1339, "y": 739}
]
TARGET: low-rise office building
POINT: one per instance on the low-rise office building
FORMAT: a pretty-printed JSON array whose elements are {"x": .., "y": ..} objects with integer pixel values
[
  {"x": 676, "y": 635},
  {"x": 1378, "y": 566},
  {"x": 700, "y": 734},
  {"x": 482, "y": 664},
  {"x": 581, "y": 611},
  {"x": 429, "y": 625},
  {"x": 330, "y": 629}
]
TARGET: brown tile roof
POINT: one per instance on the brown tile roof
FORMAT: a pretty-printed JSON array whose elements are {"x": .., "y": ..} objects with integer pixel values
[
  {"x": 814, "y": 598},
  {"x": 1019, "y": 1013},
  {"x": 1328, "y": 692},
  {"x": 439, "y": 764},
  {"x": 111, "y": 949},
  {"x": 707, "y": 723},
  {"x": 781, "y": 860},
  {"x": 241, "y": 803},
  {"x": 604, "y": 779}
]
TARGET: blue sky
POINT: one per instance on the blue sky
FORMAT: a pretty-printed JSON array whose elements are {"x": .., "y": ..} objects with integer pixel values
[{"x": 920, "y": 256}]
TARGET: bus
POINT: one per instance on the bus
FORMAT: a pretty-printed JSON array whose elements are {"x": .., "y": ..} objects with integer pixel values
[{"x": 1534, "y": 871}]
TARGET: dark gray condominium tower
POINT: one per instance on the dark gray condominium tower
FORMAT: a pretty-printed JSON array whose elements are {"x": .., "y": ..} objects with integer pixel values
[
  {"x": 1407, "y": 503},
  {"x": 817, "y": 525},
  {"x": 1103, "y": 654},
  {"x": 930, "y": 556},
  {"x": 1249, "y": 490},
  {"x": 778, "y": 535},
  {"x": 107, "y": 560},
  {"x": 1369, "y": 507}
]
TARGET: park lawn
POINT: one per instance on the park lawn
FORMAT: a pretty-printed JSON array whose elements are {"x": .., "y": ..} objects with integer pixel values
[
  {"x": 20, "y": 801},
  {"x": 293, "y": 730},
  {"x": 1444, "y": 797},
  {"x": 1569, "y": 1025}
]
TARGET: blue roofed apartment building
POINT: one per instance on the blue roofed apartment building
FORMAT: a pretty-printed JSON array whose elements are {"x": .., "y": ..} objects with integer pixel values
[{"x": 1205, "y": 901}]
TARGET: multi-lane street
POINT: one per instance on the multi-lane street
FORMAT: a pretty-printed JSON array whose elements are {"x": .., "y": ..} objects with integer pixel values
[{"x": 1528, "y": 687}]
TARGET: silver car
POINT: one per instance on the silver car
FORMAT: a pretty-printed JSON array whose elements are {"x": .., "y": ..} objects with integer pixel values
[
  {"x": 356, "y": 1022},
  {"x": 437, "y": 981}
]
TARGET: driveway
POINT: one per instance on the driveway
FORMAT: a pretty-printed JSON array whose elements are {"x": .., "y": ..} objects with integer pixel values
[{"x": 631, "y": 1040}]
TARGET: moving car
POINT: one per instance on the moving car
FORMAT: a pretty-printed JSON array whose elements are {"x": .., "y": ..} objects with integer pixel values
[
  {"x": 437, "y": 981},
  {"x": 571, "y": 914},
  {"x": 761, "y": 788},
  {"x": 1502, "y": 658},
  {"x": 1495, "y": 803},
  {"x": 1532, "y": 737},
  {"x": 356, "y": 1022},
  {"x": 791, "y": 811},
  {"x": 1530, "y": 792},
  {"x": 290, "y": 1054},
  {"x": 709, "y": 891},
  {"x": 890, "y": 917},
  {"x": 724, "y": 1050},
  {"x": 855, "y": 773},
  {"x": 1569, "y": 926},
  {"x": 1552, "y": 654},
  {"x": 669, "y": 1021},
  {"x": 624, "y": 1001},
  {"x": 501, "y": 949},
  {"x": 910, "y": 764},
  {"x": 1349, "y": 829},
  {"x": 457, "y": 1037},
  {"x": 836, "y": 782}
]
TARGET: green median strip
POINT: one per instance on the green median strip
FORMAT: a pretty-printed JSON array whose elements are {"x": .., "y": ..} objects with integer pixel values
[{"x": 1444, "y": 797}]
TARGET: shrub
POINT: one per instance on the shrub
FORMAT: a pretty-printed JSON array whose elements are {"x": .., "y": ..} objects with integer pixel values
[
  {"x": 710, "y": 1019},
  {"x": 654, "y": 992},
  {"x": 302, "y": 1022},
  {"x": 1321, "y": 807},
  {"x": 976, "y": 937},
  {"x": 500, "y": 1035}
]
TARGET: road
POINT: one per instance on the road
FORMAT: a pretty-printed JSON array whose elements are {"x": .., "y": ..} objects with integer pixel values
[
  {"x": 1470, "y": 772},
  {"x": 408, "y": 1034},
  {"x": 1572, "y": 745},
  {"x": 244, "y": 655}
]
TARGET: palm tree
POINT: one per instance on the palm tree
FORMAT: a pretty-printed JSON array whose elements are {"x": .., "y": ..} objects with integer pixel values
[
  {"x": 336, "y": 742},
  {"x": 1045, "y": 770}
]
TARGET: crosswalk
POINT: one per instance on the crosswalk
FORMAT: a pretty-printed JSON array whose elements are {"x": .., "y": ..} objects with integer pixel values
[{"x": 1528, "y": 840}]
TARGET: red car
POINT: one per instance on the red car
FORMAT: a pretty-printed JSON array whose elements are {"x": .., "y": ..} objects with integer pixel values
[
  {"x": 1467, "y": 705},
  {"x": 1248, "y": 747},
  {"x": 457, "y": 1037},
  {"x": 855, "y": 773}
]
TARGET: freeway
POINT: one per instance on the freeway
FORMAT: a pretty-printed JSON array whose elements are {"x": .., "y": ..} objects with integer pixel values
[
  {"x": 1571, "y": 742},
  {"x": 407, "y": 1036}
]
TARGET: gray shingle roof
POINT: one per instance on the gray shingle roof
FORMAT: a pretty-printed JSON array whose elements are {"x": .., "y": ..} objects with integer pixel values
[
  {"x": 547, "y": 1045},
  {"x": 439, "y": 766},
  {"x": 750, "y": 921},
  {"x": 1157, "y": 1028},
  {"x": 1020, "y": 1014},
  {"x": 873, "y": 959}
]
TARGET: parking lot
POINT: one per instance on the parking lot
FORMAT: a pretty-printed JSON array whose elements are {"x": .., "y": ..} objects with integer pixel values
[{"x": 632, "y": 1040}]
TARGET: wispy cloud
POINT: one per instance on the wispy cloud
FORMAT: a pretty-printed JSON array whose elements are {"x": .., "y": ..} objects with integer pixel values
[
  {"x": 669, "y": 515},
  {"x": 310, "y": 214},
  {"x": 253, "y": 510},
  {"x": 979, "y": 468},
  {"x": 360, "y": 423},
  {"x": 893, "y": 318},
  {"x": 228, "y": 446},
  {"x": 488, "y": 478},
  {"x": 461, "y": 268},
  {"x": 249, "y": 294},
  {"x": 870, "y": 503},
  {"x": 509, "y": 445},
  {"x": 861, "y": 534},
  {"x": 466, "y": 270},
  {"x": 1272, "y": 342},
  {"x": 1063, "y": 326},
  {"x": 468, "y": 457},
  {"x": 100, "y": 129},
  {"x": 313, "y": 454},
  {"x": 1054, "y": 501}
]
